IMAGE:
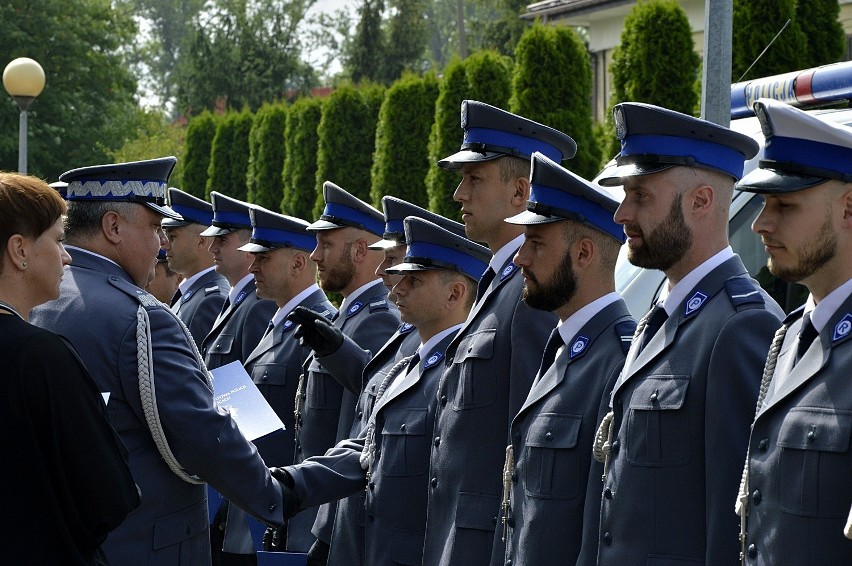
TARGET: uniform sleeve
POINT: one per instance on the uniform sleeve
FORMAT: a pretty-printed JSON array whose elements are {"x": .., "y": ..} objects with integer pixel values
[
  {"x": 89, "y": 460},
  {"x": 203, "y": 438},
  {"x": 734, "y": 374},
  {"x": 332, "y": 476},
  {"x": 347, "y": 364}
]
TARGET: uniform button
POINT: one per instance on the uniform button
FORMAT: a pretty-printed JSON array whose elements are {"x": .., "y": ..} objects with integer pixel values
[
  {"x": 265, "y": 377},
  {"x": 811, "y": 435},
  {"x": 548, "y": 436},
  {"x": 273, "y": 507},
  {"x": 756, "y": 497},
  {"x": 509, "y": 562},
  {"x": 469, "y": 350},
  {"x": 437, "y": 441},
  {"x": 607, "y": 538},
  {"x": 402, "y": 426},
  {"x": 360, "y": 414},
  {"x": 607, "y": 493},
  {"x": 372, "y": 485},
  {"x": 434, "y": 482},
  {"x": 752, "y": 551},
  {"x": 615, "y": 446},
  {"x": 764, "y": 442},
  {"x": 443, "y": 399},
  {"x": 654, "y": 397},
  {"x": 514, "y": 477}
]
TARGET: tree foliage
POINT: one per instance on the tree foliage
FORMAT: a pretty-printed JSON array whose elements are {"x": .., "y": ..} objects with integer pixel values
[
  {"x": 401, "y": 159},
  {"x": 266, "y": 156},
  {"x": 553, "y": 85},
  {"x": 755, "y": 24},
  {"x": 347, "y": 135},
  {"x": 200, "y": 132},
  {"x": 655, "y": 62},
  {"x": 301, "y": 142},
  {"x": 243, "y": 53},
  {"x": 363, "y": 61},
  {"x": 87, "y": 107},
  {"x": 229, "y": 155},
  {"x": 819, "y": 21},
  {"x": 155, "y": 137}
]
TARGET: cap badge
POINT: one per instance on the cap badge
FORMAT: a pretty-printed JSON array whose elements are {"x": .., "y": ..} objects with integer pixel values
[
  {"x": 694, "y": 303},
  {"x": 842, "y": 328},
  {"x": 620, "y": 125},
  {"x": 579, "y": 346}
]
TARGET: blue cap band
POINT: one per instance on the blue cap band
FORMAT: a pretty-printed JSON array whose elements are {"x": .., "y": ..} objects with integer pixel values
[
  {"x": 810, "y": 153},
  {"x": 231, "y": 219},
  {"x": 710, "y": 154},
  {"x": 306, "y": 242},
  {"x": 351, "y": 216},
  {"x": 587, "y": 211},
  {"x": 394, "y": 226},
  {"x": 468, "y": 265},
  {"x": 523, "y": 145},
  {"x": 203, "y": 217}
]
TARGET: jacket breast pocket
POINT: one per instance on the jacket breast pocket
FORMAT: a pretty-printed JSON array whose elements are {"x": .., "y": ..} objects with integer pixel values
[
  {"x": 405, "y": 445},
  {"x": 222, "y": 345},
  {"x": 658, "y": 422},
  {"x": 322, "y": 391},
  {"x": 271, "y": 380},
  {"x": 477, "y": 378},
  {"x": 553, "y": 466},
  {"x": 814, "y": 457}
]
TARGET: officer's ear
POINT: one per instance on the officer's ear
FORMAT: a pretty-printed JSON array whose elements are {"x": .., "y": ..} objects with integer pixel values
[
  {"x": 298, "y": 262},
  {"x": 522, "y": 192},
  {"x": 16, "y": 250},
  {"x": 111, "y": 226}
]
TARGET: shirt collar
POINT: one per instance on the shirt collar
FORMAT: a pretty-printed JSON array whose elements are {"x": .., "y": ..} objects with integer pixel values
[
  {"x": 185, "y": 285},
  {"x": 237, "y": 289},
  {"x": 822, "y": 313},
  {"x": 569, "y": 328},
  {"x": 677, "y": 294},
  {"x": 504, "y": 254},
  {"x": 282, "y": 313},
  {"x": 351, "y": 297},
  {"x": 426, "y": 348}
]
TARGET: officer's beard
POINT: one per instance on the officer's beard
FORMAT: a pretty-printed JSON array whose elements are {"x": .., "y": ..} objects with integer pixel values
[
  {"x": 556, "y": 292},
  {"x": 666, "y": 244}
]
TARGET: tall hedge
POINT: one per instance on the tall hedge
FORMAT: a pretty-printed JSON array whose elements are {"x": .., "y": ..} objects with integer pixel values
[
  {"x": 655, "y": 62},
  {"x": 552, "y": 85},
  {"x": 755, "y": 24},
  {"x": 199, "y": 140},
  {"x": 229, "y": 155},
  {"x": 401, "y": 159},
  {"x": 819, "y": 21},
  {"x": 347, "y": 136},
  {"x": 485, "y": 76},
  {"x": 300, "y": 162},
  {"x": 266, "y": 156}
]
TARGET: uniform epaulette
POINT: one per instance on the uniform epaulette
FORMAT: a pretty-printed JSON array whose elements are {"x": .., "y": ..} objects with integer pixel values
[
  {"x": 379, "y": 305},
  {"x": 744, "y": 293},
  {"x": 213, "y": 289},
  {"x": 145, "y": 298},
  {"x": 624, "y": 331}
]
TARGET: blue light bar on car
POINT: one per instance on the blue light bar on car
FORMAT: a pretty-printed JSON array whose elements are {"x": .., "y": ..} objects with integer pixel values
[{"x": 799, "y": 88}]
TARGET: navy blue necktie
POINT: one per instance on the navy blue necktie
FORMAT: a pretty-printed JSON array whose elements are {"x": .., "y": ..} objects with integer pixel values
[
  {"x": 175, "y": 298},
  {"x": 656, "y": 318},
  {"x": 484, "y": 283},
  {"x": 807, "y": 334},
  {"x": 549, "y": 355}
]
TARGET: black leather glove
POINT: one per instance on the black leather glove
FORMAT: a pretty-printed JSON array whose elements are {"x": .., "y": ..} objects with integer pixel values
[
  {"x": 275, "y": 538},
  {"x": 318, "y": 554},
  {"x": 315, "y": 331}
]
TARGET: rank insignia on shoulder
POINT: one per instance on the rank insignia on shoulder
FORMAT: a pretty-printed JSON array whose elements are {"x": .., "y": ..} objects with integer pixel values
[
  {"x": 842, "y": 328},
  {"x": 148, "y": 300},
  {"x": 405, "y": 328},
  {"x": 433, "y": 359},
  {"x": 579, "y": 346},
  {"x": 208, "y": 290},
  {"x": 507, "y": 271},
  {"x": 694, "y": 303},
  {"x": 356, "y": 306}
]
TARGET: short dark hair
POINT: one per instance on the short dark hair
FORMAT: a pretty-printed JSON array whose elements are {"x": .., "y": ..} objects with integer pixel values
[
  {"x": 28, "y": 206},
  {"x": 512, "y": 167}
]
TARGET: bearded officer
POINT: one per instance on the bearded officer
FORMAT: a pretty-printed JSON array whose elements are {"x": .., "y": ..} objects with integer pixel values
[
  {"x": 568, "y": 262},
  {"x": 160, "y": 395},
  {"x": 685, "y": 397},
  {"x": 797, "y": 490}
]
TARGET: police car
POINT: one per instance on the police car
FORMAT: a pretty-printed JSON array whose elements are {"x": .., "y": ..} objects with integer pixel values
[{"x": 812, "y": 87}]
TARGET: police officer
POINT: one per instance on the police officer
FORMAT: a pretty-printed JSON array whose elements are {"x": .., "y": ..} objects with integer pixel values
[
  {"x": 568, "y": 260},
  {"x": 391, "y": 457},
  {"x": 203, "y": 290},
  {"x": 797, "y": 490},
  {"x": 683, "y": 402},
  {"x": 326, "y": 405},
  {"x": 160, "y": 397},
  {"x": 494, "y": 358},
  {"x": 244, "y": 316},
  {"x": 341, "y": 522}
]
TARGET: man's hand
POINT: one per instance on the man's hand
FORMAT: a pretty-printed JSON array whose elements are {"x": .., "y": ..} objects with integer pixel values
[
  {"x": 275, "y": 538},
  {"x": 315, "y": 331}
]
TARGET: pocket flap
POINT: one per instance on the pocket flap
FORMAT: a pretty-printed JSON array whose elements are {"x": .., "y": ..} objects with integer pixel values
[
  {"x": 269, "y": 374},
  {"x": 477, "y": 511},
  {"x": 180, "y": 526},
  {"x": 476, "y": 345},
  {"x": 816, "y": 429},
  {"x": 316, "y": 367},
  {"x": 551, "y": 430},
  {"x": 223, "y": 344},
  {"x": 410, "y": 421},
  {"x": 660, "y": 392}
]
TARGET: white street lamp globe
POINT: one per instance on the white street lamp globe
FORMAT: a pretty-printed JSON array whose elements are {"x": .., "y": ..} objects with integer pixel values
[{"x": 23, "y": 77}]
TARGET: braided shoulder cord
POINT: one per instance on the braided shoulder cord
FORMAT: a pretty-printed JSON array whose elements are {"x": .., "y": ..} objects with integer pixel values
[
  {"x": 368, "y": 454},
  {"x": 148, "y": 395}
]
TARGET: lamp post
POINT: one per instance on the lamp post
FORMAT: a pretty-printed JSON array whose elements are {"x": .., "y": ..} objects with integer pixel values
[{"x": 23, "y": 78}]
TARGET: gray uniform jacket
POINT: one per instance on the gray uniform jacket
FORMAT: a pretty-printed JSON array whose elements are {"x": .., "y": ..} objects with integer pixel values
[
  {"x": 552, "y": 437},
  {"x": 97, "y": 312},
  {"x": 275, "y": 366},
  {"x": 341, "y": 523},
  {"x": 395, "y": 498},
  {"x": 327, "y": 407},
  {"x": 238, "y": 331},
  {"x": 202, "y": 303},
  {"x": 682, "y": 414},
  {"x": 800, "y": 460},
  {"x": 492, "y": 363}
]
